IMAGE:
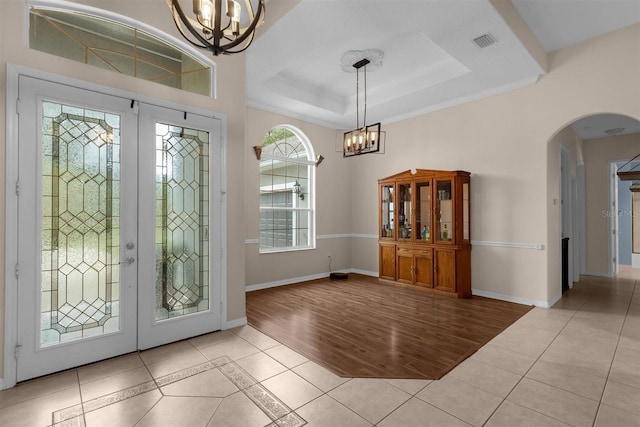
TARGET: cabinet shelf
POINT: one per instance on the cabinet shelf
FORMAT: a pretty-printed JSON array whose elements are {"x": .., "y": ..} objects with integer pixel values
[{"x": 425, "y": 232}]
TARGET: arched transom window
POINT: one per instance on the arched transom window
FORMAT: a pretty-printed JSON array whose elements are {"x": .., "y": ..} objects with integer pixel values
[
  {"x": 287, "y": 172},
  {"x": 117, "y": 43}
]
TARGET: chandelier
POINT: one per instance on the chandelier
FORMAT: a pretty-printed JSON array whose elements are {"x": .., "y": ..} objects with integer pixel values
[
  {"x": 366, "y": 138},
  {"x": 215, "y": 30},
  {"x": 632, "y": 174}
]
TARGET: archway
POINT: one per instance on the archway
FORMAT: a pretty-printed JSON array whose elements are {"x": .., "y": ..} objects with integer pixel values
[{"x": 582, "y": 159}]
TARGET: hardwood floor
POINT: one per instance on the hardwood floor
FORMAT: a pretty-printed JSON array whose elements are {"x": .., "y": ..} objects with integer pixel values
[{"x": 364, "y": 328}]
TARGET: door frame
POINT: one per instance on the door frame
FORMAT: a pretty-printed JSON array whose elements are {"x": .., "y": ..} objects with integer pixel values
[
  {"x": 12, "y": 190},
  {"x": 613, "y": 257}
]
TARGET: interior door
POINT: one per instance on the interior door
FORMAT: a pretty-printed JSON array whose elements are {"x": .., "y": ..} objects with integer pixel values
[
  {"x": 180, "y": 206},
  {"x": 77, "y": 227}
]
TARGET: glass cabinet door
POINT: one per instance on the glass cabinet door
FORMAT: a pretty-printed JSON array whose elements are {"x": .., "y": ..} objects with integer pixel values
[
  {"x": 386, "y": 205},
  {"x": 423, "y": 211},
  {"x": 466, "y": 224},
  {"x": 404, "y": 211},
  {"x": 444, "y": 211}
]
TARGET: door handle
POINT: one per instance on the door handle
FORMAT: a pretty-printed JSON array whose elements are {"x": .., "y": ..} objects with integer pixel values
[{"x": 129, "y": 260}]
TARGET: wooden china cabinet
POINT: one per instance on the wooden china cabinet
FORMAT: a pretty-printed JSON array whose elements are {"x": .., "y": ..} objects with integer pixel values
[{"x": 425, "y": 230}]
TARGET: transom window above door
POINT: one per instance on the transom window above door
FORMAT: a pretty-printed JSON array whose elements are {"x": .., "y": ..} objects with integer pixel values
[
  {"x": 115, "y": 46},
  {"x": 287, "y": 191}
]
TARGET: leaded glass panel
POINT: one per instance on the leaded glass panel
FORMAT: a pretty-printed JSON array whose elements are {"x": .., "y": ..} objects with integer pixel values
[
  {"x": 80, "y": 272},
  {"x": 182, "y": 221},
  {"x": 117, "y": 47}
]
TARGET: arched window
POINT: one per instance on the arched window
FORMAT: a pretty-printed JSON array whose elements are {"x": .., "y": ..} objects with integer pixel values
[
  {"x": 287, "y": 199},
  {"x": 117, "y": 43}
]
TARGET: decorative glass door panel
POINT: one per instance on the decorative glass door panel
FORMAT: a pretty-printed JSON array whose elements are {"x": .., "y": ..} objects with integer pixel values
[
  {"x": 387, "y": 211},
  {"x": 423, "y": 210},
  {"x": 80, "y": 223},
  {"x": 444, "y": 210},
  {"x": 77, "y": 168},
  {"x": 404, "y": 211},
  {"x": 180, "y": 263},
  {"x": 182, "y": 221}
]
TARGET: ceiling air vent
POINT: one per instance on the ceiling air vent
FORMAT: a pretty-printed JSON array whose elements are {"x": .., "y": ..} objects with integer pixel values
[{"x": 484, "y": 40}]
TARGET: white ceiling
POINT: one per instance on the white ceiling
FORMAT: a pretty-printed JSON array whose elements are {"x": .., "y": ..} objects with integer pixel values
[{"x": 430, "y": 60}]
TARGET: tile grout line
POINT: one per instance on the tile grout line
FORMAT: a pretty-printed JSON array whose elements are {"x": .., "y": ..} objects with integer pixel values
[
  {"x": 600, "y": 403},
  {"x": 524, "y": 375}
]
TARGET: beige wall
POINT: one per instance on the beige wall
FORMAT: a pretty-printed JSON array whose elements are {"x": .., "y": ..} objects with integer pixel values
[
  {"x": 509, "y": 142},
  {"x": 333, "y": 206},
  {"x": 597, "y": 155},
  {"x": 230, "y": 101}
]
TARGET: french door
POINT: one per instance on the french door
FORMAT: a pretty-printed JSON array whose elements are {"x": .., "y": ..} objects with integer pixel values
[{"x": 118, "y": 247}]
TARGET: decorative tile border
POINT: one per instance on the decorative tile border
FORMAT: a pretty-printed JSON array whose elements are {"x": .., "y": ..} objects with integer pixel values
[
  {"x": 237, "y": 375},
  {"x": 194, "y": 370},
  {"x": 72, "y": 422},
  {"x": 66, "y": 414},
  {"x": 290, "y": 420},
  {"x": 118, "y": 396},
  {"x": 265, "y": 400},
  {"x": 274, "y": 408}
]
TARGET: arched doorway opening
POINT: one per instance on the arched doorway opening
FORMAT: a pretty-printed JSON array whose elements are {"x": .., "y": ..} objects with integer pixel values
[{"x": 592, "y": 209}]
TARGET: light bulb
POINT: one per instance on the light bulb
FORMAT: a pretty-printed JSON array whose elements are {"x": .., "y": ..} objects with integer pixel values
[
  {"x": 233, "y": 12},
  {"x": 205, "y": 10}
]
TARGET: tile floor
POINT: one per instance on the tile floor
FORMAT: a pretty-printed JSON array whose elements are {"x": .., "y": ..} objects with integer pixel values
[{"x": 576, "y": 364}]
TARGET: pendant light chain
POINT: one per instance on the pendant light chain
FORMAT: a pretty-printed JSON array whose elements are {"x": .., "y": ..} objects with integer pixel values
[
  {"x": 364, "y": 123},
  {"x": 357, "y": 98}
]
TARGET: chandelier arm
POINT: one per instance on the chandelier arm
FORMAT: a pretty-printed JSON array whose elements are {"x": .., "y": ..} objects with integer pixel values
[
  {"x": 185, "y": 20},
  {"x": 244, "y": 48},
  {"x": 249, "y": 30}
]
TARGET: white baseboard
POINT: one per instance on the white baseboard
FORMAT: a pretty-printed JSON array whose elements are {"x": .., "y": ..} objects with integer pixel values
[
  {"x": 597, "y": 274},
  {"x": 557, "y": 297},
  {"x": 509, "y": 298},
  {"x": 363, "y": 272},
  {"x": 284, "y": 282},
  {"x": 293, "y": 280},
  {"x": 1, "y": 383},
  {"x": 230, "y": 324}
]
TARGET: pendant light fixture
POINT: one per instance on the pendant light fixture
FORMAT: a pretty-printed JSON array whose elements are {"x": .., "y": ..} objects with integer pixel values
[
  {"x": 632, "y": 174},
  {"x": 366, "y": 138},
  {"x": 215, "y": 29}
]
